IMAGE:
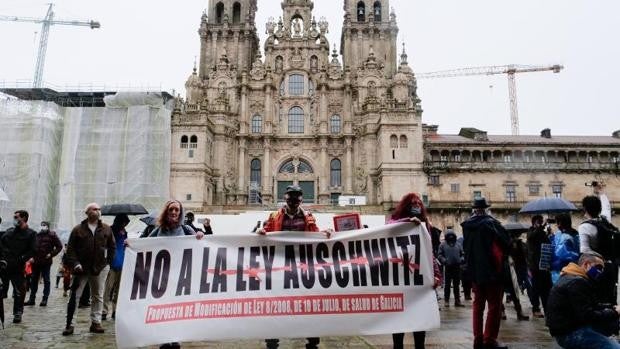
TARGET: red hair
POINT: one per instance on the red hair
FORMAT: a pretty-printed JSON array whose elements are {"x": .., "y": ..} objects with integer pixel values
[
  {"x": 403, "y": 209},
  {"x": 163, "y": 221}
]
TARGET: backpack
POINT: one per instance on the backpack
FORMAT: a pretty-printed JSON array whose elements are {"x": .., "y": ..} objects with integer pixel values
[{"x": 608, "y": 237}]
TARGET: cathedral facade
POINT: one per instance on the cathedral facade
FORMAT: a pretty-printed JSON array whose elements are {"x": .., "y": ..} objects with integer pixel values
[{"x": 334, "y": 123}]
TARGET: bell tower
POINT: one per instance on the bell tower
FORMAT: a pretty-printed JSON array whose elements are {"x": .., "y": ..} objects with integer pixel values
[
  {"x": 228, "y": 27},
  {"x": 368, "y": 26}
]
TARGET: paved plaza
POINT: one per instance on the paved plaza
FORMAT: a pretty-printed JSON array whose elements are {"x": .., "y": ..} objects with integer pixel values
[{"x": 42, "y": 328}]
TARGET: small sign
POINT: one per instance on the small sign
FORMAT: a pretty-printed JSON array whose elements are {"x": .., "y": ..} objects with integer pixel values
[
  {"x": 546, "y": 254},
  {"x": 350, "y": 221}
]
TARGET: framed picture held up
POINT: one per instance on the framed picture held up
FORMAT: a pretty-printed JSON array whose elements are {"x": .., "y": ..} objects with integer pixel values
[{"x": 349, "y": 221}]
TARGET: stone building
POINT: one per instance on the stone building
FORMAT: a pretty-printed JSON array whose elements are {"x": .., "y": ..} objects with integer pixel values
[
  {"x": 512, "y": 170},
  {"x": 348, "y": 123},
  {"x": 251, "y": 125}
]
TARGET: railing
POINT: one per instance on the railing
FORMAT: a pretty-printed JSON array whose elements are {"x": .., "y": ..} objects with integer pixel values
[
  {"x": 82, "y": 87},
  {"x": 507, "y": 166}
]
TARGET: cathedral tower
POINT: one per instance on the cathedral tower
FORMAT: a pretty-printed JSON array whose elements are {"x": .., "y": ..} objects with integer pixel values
[{"x": 367, "y": 26}]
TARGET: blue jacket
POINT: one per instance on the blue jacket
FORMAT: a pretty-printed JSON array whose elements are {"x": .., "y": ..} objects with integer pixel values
[{"x": 119, "y": 256}]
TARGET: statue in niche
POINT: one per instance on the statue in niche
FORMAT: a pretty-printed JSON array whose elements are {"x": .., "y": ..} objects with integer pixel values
[
  {"x": 372, "y": 89},
  {"x": 279, "y": 64},
  {"x": 297, "y": 27},
  {"x": 222, "y": 89},
  {"x": 314, "y": 64}
]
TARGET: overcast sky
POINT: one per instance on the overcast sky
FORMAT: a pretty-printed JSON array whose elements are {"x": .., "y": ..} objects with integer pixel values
[{"x": 152, "y": 43}]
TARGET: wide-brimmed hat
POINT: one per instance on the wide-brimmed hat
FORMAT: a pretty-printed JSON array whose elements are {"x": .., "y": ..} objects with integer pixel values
[
  {"x": 294, "y": 189},
  {"x": 480, "y": 202}
]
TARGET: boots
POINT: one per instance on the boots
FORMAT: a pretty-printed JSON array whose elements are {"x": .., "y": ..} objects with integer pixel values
[
  {"x": 43, "y": 302},
  {"x": 96, "y": 328}
]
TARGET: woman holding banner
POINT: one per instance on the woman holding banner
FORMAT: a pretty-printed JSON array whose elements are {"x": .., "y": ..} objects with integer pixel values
[
  {"x": 170, "y": 225},
  {"x": 411, "y": 209}
]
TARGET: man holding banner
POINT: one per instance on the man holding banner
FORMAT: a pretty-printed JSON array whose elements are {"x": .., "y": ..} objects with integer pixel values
[{"x": 291, "y": 217}]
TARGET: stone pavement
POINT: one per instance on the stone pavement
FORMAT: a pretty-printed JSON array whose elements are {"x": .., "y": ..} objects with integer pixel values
[{"x": 42, "y": 328}]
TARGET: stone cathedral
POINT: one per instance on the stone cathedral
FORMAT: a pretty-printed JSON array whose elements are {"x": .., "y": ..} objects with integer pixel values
[{"x": 334, "y": 122}]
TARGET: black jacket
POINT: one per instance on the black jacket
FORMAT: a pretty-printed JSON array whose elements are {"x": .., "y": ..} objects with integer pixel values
[
  {"x": 17, "y": 247},
  {"x": 480, "y": 233},
  {"x": 572, "y": 305},
  {"x": 535, "y": 238}
]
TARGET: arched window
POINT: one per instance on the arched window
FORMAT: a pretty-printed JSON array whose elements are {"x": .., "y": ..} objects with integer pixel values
[
  {"x": 287, "y": 167},
  {"x": 255, "y": 171},
  {"x": 335, "y": 173},
  {"x": 304, "y": 167},
  {"x": 193, "y": 142},
  {"x": 296, "y": 120},
  {"x": 393, "y": 141},
  {"x": 334, "y": 123},
  {"x": 236, "y": 13},
  {"x": 296, "y": 85},
  {"x": 219, "y": 12},
  {"x": 184, "y": 141},
  {"x": 361, "y": 11},
  {"x": 403, "y": 141},
  {"x": 257, "y": 124},
  {"x": 377, "y": 11}
]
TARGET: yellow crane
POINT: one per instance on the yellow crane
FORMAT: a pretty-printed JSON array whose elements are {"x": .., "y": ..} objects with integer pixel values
[
  {"x": 47, "y": 22},
  {"x": 509, "y": 70}
]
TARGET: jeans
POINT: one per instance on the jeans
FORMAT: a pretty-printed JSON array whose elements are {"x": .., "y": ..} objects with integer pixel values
[
  {"x": 586, "y": 337},
  {"x": 491, "y": 293},
  {"x": 37, "y": 272},
  {"x": 96, "y": 283}
]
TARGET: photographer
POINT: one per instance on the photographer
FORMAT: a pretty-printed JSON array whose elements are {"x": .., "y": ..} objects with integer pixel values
[{"x": 575, "y": 317}]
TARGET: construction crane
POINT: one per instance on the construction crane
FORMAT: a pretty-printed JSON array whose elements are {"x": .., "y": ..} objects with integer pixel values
[
  {"x": 47, "y": 22},
  {"x": 509, "y": 70}
]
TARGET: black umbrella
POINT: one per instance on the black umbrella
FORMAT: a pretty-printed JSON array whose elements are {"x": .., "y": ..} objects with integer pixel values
[
  {"x": 150, "y": 219},
  {"x": 128, "y": 209},
  {"x": 516, "y": 227},
  {"x": 548, "y": 205}
]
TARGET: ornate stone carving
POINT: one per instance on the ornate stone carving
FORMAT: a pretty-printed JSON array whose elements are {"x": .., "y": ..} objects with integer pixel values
[
  {"x": 361, "y": 179},
  {"x": 296, "y": 60}
]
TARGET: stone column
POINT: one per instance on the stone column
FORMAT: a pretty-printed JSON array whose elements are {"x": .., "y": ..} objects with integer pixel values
[
  {"x": 324, "y": 171},
  {"x": 349, "y": 166},
  {"x": 242, "y": 165},
  {"x": 323, "y": 118},
  {"x": 243, "y": 115},
  {"x": 266, "y": 172}
]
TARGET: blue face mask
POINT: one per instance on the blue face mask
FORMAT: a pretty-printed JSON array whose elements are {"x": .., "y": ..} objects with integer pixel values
[{"x": 595, "y": 272}]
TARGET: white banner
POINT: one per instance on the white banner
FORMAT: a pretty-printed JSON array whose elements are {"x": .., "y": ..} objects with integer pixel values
[{"x": 287, "y": 284}]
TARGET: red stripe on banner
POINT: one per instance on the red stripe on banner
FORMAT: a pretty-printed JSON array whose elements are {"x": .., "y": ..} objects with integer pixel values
[{"x": 276, "y": 306}]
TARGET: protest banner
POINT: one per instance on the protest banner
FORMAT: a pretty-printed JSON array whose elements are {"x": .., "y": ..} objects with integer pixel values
[{"x": 285, "y": 284}]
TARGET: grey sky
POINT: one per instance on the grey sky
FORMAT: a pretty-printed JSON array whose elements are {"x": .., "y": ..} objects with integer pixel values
[{"x": 154, "y": 42}]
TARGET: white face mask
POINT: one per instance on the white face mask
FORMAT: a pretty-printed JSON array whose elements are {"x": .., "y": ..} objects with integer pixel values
[{"x": 44, "y": 228}]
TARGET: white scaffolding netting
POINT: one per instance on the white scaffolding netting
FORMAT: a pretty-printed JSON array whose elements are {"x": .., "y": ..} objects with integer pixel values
[{"x": 57, "y": 160}]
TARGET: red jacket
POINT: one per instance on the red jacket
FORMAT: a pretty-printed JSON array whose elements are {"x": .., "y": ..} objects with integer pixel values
[{"x": 274, "y": 222}]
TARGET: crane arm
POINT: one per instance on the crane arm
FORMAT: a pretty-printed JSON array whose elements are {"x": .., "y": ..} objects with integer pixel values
[
  {"x": 490, "y": 70},
  {"x": 91, "y": 24}
]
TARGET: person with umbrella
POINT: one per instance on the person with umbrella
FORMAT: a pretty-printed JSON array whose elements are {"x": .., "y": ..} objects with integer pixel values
[
  {"x": 113, "y": 281},
  {"x": 537, "y": 237},
  {"x": 90, "y": 252}
]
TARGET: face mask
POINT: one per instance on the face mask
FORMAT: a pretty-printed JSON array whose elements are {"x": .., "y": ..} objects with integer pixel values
[
  {"x": 594, "y": 273},
  {"x": 44, "y": 228},
  {"x": 415, "y": 211},
  {"x": 16, "y": 222}
]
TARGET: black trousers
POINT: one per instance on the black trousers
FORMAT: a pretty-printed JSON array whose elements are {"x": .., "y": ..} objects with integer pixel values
[
  {"x": 607, "y": 287},
  {"x": 418, "y": 339},
  {"x": 15, "y": 276},
  {"x": 541, "y": 282},
  {"x": 313, "y": 343},
  {"x": 453, "y": 280}
]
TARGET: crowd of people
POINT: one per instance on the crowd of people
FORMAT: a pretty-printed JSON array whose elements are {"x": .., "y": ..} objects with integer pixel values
[{"x": 570, "y": 275}]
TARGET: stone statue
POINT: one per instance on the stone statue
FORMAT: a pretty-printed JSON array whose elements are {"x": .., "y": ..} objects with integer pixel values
[{"x": 297, "y": 27}]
